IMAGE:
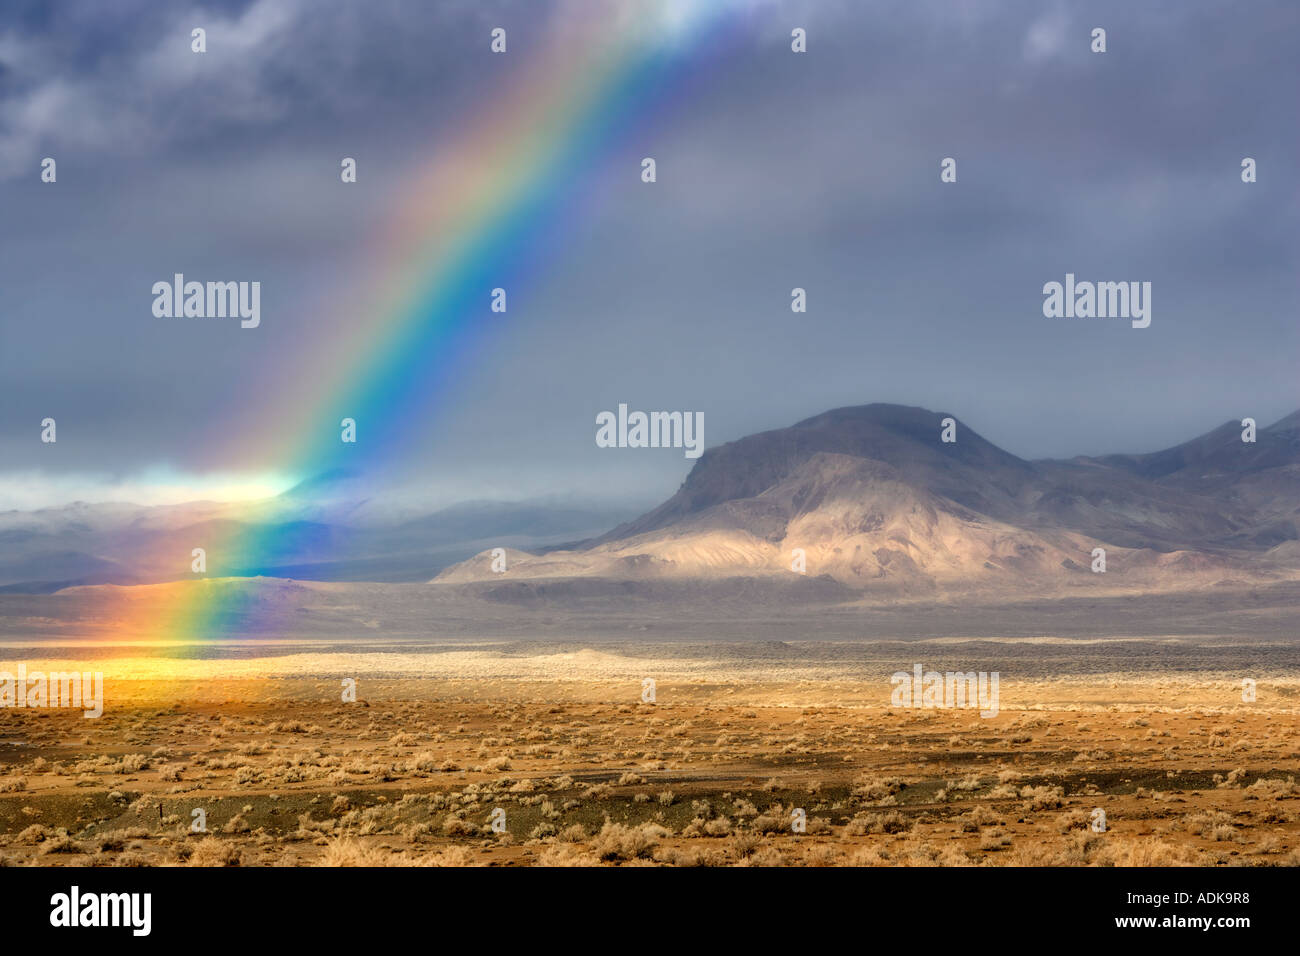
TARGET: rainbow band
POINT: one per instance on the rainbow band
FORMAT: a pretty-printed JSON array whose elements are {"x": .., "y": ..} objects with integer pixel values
[{"x": 480, "y": 216}]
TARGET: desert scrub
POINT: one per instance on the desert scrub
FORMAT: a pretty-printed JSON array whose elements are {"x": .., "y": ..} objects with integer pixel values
[
  {"x": 1042, "y": 798},
  {"x": 212, "y": 851},
  {"x": 618, "y": 842},
  {"x": 566, "y": 854},
  {"x": 865, "y": 823},
  {"x": 877, "y": 790},
  {"x": 61, "y": 842}
]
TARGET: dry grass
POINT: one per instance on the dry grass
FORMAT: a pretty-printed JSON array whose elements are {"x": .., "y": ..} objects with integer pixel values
[{"x": 417, "y": 772}]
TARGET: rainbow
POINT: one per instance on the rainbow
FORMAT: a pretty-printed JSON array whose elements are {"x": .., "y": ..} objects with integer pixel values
[{"x": 484, "y": 213}]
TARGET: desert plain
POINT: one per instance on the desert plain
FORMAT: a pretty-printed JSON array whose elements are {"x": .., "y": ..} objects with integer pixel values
[{"x": 1103, "y": 752}]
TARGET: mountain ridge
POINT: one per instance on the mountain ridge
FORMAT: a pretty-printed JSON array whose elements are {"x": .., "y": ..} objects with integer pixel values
[{"x": 871, "y": 496}]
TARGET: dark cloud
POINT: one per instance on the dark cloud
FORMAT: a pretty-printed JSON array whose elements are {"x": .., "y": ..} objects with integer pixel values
[{"x": 775, "y": 171}]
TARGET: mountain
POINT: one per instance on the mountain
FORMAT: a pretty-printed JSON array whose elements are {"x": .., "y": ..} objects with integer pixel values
[
  {"x": 1219, "y": 457},
  {"x": 870, "y": 496},
  {"x": 971, "y": 471},
  {"x": 324, "y": 529},
  {"x": 874, "y": 499},
  {"x": 1213, "y": 492}
]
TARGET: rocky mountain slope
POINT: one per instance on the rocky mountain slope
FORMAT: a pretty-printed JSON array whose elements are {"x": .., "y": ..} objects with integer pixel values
[{"x": 873, "y": 498}]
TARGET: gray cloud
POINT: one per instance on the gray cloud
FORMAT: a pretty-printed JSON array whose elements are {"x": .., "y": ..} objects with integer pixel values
[{"x": 775, "y": 170}]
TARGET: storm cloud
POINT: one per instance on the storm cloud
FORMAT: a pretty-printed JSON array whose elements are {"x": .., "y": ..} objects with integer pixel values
[{"x": 775, "y": 170}]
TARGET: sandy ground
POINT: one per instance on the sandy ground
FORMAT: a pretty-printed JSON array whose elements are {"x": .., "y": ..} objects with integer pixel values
[{"x": 549, "y": 755}]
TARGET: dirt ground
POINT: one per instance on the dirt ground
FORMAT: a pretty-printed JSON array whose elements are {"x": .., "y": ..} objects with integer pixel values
[{"x": 525, "y": 771}]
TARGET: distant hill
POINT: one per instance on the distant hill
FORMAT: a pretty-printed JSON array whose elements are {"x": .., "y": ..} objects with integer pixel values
[
  {"x": 323, "y": 529},
  {"x": 873, "y": 499}
]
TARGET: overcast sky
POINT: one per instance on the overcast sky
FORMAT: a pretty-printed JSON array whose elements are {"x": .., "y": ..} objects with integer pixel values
[{"x": 775, "y": 170}]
